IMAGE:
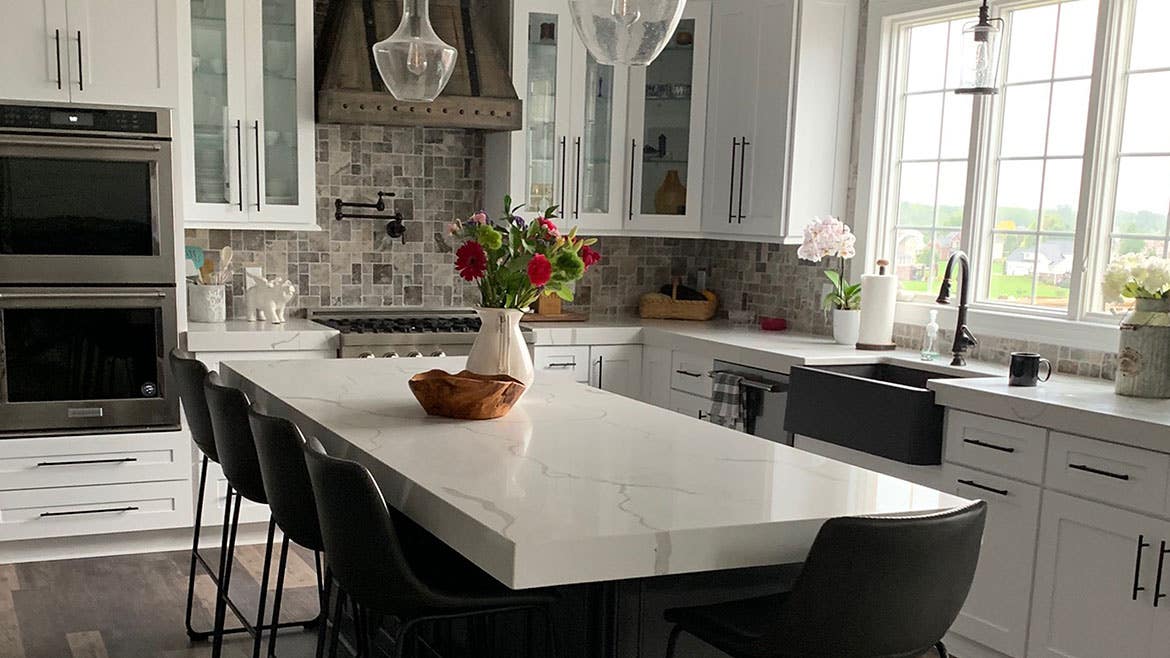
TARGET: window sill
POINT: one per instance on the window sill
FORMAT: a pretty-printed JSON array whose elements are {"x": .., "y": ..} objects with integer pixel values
[{"x": 1057, "y": 331}]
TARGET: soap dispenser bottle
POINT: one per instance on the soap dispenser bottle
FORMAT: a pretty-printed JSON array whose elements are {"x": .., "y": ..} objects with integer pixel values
[{"x": 930, "y": 338}]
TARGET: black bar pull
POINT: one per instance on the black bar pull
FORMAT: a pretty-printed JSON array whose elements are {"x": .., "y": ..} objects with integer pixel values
[
  {"x": 731, "y": 192},
  {"x": 57, "y": 49},
  {"x": 104, "y": 510},
  {"x": 742, "y": 155},
  {"x": 240, "y": 163},
  {"x": 80, "y": 71},
  {"x": 703, "y": 415},
  {"x": 992, "y": 446},
  {"x": 633, "y": 163},
  {"x": 1137, "y": 565},
  {"x": 688, "y": 373},
  {"x": 564, "y": 154},
  {"x": 561, "y": 365},
  {"x": 256, "y": 127},
  {"x": 1158, "y": 595},
  {"x": 973, "y": 483},
  {"x": 577, "y": 179},
  {"x": 600, "y": 365},
  {"x": 80, "y": 462},
  {"x": 1097, "y": 471}
]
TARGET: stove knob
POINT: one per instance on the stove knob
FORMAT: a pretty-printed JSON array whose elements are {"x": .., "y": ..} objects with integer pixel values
[
  {"x": 365, "y": 355},
  {"x": 414, "y": 353},
  {"x": 390, "y": 355},
  {"x": 438, "y": 353}
]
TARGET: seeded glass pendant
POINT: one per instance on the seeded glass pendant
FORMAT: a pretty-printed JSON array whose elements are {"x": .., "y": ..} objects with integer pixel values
[
  {"x": 627, "y": 32},
  {"x": 980, "y": 55},
  {"x": 414, "y": 62}
]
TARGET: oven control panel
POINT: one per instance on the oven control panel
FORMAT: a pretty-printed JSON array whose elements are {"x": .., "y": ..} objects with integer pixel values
[{"x": 55, "y": 119}]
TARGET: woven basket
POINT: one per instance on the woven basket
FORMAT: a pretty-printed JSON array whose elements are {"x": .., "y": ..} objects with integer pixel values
[{"x": 668, "y": 307}]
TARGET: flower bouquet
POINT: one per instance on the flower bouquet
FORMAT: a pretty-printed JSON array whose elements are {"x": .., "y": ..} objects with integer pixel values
[
  {"x": 1143, "y": 360},
  {"x": 514, "y": 262},
  {"x": 829, "y": 237}
]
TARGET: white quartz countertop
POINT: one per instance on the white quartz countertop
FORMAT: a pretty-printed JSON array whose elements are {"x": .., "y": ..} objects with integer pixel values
[
  {"x": 242, "y": 335},
  {"x": 576, "y": 484}
]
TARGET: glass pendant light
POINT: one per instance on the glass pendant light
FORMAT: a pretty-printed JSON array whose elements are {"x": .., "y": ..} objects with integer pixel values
[
  {"x": 627, "y": 32},
  {"x": 414, "y": 62},
  {"x": 980, "y": 56}
]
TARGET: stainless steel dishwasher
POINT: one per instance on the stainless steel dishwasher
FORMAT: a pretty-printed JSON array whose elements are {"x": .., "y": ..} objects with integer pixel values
[{"x": 766, "y": 397}]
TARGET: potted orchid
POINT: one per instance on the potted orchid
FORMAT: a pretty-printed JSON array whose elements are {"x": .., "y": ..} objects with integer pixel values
[
  {"x": 514, "y": 262},
  {"x": 1143, "y": 360},
  {"x": 829, "y": 237}
]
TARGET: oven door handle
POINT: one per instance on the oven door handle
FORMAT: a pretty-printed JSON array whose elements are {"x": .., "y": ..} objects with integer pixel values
[
  {"x": 82, "y": 295},
  {"x": 109, "y": 143}
]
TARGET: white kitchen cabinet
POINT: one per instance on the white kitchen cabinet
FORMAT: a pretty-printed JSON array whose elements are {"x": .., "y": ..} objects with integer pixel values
[
  {"x": 118, "y": 52},
  {"x": 246, "y": 109},
  {"x": 780, "y": 111},
  {"x": 616, "y": 368},
  {"x": 570, "y": 360},
  {"x": 656, "y": 376},
  {"x": 689, "y": 404},
  {"x": 1095, "y": 582}
]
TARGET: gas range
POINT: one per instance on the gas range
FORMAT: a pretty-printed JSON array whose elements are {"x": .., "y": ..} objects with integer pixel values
[{"x": 388, "y": 333}]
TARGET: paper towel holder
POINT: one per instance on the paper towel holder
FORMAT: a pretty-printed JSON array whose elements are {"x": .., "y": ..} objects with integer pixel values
[{"x": 877, "y": 347}]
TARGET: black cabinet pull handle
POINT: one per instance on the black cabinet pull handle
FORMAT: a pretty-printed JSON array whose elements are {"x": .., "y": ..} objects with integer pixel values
[
  {"x": 1137, "y": 565},
  {"x": 973, "y": 483},
  {"x": 633, "y": 163},
  {"x": 742, "y": 155},
  {"x": 57, "y": 48},
  {"x": 703, "y": 414},
  {"x": 600, "y": 366},
  {"x": 1097, "y": 471},
  {"x": 731, "y": 192},
  {"x": 256, "y": 127},
  {"x": 561, "y": 365},
  {"x": 105, "y": 510},
  {"x": 240, "y": 163},
  {"x": 1158, "y": 578},
  {"x": 79, "y": 462},
  {"x": 577, "y": 178},
  {"x": 564, "y": 154},
  {"x": 80, "y": 71},
  {"x": 688, "y": 373},
  {"x": 992, "y": 446}
]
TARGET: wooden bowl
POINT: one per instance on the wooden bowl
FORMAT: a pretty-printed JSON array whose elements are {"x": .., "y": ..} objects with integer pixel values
[{"x": 466, "y": 395}]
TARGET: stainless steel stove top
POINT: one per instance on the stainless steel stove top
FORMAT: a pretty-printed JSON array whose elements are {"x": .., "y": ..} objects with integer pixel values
[{"x": 379, "y": 332}]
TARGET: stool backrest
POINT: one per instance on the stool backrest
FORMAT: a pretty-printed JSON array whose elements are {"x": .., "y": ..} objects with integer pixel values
[
  {"x": 280, "y": 447},
  {"x": 189, "y": 374},
  {"x": 233, "y": 438},
  {"x": 888, "y": 586}
]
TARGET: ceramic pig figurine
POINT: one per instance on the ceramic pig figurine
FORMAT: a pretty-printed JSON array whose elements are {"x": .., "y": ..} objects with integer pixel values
[{"x": 266, "y": 300}]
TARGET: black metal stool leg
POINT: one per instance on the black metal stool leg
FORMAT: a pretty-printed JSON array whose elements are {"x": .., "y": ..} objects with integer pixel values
[
  {"x": 258, "y": 636},
  {"x": 276, "y": 599},
  {"x": 338, "y": 615},
  {"x": 325, "y": 591},
  {"x": 670, "y": 644},
  {"x": 191, "y": 632},
  {"x": 942, "y": 650},
  {"x": 225, "y": 580}
]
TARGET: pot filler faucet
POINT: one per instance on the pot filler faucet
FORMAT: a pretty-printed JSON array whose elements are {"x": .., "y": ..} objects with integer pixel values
[{"x": 963, "y": 336}]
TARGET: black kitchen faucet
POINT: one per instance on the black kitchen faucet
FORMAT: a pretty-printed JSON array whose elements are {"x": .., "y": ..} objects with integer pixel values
[{"x": 963, "y": 336}]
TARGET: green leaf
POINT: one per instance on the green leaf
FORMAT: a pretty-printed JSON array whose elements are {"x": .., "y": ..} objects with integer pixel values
[
  {"x": 834, "y": 277},
  {"x": 565, "y": 293}
]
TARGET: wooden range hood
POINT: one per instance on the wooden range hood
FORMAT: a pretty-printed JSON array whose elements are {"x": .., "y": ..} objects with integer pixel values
[{"x": 480, "y": 94}]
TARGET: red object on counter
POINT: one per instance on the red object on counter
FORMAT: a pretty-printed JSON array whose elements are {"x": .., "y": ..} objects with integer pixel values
[{"x": 773, "y": 324}]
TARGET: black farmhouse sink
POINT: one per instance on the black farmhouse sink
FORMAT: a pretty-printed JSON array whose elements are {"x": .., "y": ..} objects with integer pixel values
[{"x": 881, "y": 409}]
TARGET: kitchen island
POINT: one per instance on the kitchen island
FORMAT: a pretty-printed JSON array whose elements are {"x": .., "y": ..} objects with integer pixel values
[{"x": 576, "y": 485}]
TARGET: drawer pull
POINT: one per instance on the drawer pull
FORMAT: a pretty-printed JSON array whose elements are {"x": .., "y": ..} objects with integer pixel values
[
  {"x": 973, "y": 483},
  {"x": 79, "y": 462},
  {"x": 561, "y": 365},
  {"x": 1137, "y": 565},
  {"x": 688, "y": 373},
  {"x": 992, "y": 446},
  {"x": 104, "y": 510},
  {"x": 1158, "y": 578},
  {"x": 1097, "y": 471}
]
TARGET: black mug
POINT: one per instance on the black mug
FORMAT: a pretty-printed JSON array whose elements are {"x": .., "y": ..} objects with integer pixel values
[{"x": 1025, "y": 369}]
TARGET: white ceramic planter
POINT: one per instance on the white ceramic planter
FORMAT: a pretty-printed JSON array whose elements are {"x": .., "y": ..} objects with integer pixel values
[
  {"x": 206, "y": 303},
  {"x": 499, "y": 348},
  {"x": 846, "y": 326},
  {"x": 1143, "y": 360}
]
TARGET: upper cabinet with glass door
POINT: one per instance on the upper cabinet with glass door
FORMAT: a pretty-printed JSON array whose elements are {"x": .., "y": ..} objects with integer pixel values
[
  {"x": 598, "y": 133},
  {"x": 667, "y": 130},
  {"x": 247, "y": 116}
]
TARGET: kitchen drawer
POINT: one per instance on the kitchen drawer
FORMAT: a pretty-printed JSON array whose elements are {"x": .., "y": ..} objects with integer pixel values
[
  {"x": 1010, "y": 449},
  {"x": 572, "y": 360},
  {"x": 101, "y": 459},
  {"x": 691, "y": 374},
  {"x": 92, "y": 510},
  {"x": 690, "y": 405},
  {"x": 1111, "y": 473}
]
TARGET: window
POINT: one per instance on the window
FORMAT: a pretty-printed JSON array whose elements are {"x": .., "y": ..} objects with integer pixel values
[{"x": 1045, "y": 183}]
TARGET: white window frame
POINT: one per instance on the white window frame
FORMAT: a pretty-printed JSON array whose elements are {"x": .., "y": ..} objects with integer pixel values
[{"x": 879, "y": 139}]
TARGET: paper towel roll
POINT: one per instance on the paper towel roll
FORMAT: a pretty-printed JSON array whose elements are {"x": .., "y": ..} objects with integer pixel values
[{"x": 879, "y": 292}]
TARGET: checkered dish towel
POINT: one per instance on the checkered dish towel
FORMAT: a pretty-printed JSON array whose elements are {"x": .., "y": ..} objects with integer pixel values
[{"x": 727, "y": 400}]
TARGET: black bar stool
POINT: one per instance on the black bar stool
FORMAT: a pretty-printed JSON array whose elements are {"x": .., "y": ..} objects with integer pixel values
[
  {"x": 280, "y": 447},
  {"x": 236, "y": 448},
  {"x": 871, "y": 586},
  {"x": 387, "y": 565}
]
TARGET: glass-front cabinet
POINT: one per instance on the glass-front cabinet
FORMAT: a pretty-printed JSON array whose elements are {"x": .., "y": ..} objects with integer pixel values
[
  {"x": 247, "y": 115},
  {"x": 599, "y": 92}
]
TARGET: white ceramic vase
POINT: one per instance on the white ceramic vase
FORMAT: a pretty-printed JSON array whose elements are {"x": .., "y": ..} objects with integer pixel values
[
  {"x": 499, "y": 347},
  {"x": 206, "y": 303},
  {"x": 1143, "y": 360},
  {"x": 846, "y": 326}
]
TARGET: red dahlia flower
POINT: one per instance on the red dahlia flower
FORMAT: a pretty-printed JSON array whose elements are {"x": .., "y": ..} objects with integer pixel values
[
  {"x": 549, "y": 226},
  {"x": 471, "y": 261},
  {"x": 539, "y": 270},
  {"x": 589, "y": 256}
]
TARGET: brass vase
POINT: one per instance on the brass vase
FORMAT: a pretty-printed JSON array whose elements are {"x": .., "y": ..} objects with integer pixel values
[{"x": 671, "y": 197}]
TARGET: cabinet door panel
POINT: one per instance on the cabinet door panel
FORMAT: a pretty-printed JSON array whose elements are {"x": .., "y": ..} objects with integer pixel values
[
  {"x": 656, "y": 376},
  {"x": 1084, "y": 601},
  {"x": 34, "y": 45},
  {"x": 617, "y": 368},
  {"x": 121, "y": 51},
  {"x": 597, "y": 149}
]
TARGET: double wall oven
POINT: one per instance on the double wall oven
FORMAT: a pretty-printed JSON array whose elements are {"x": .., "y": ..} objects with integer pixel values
[{"x": 87, "y": 270}]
